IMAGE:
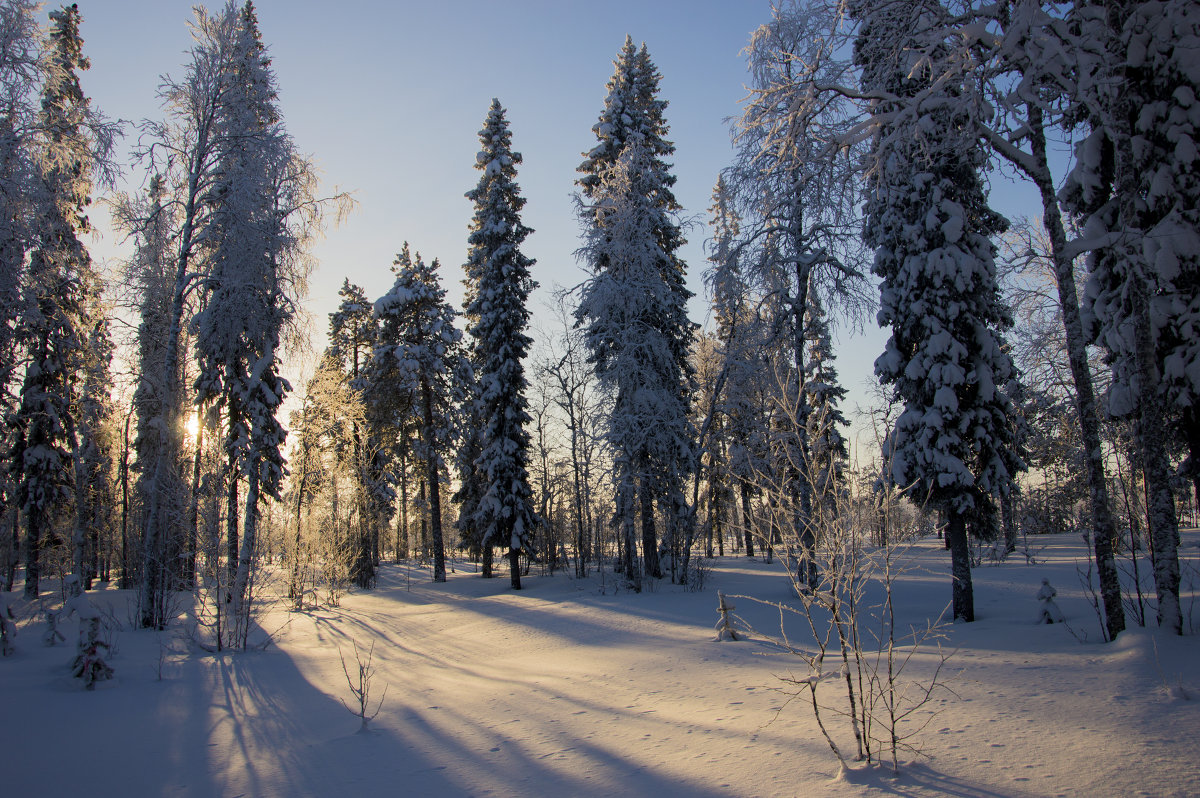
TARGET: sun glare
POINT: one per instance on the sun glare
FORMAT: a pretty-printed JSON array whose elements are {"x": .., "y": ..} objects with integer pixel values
[{"x": 192, "y": 426}]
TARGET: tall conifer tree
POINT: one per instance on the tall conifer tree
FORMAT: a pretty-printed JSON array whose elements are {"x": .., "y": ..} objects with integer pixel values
[
  {"x": 149, "y": 273},
  {"x": 53, "y": 326},
  {"x": 352, "y": 331},
  {"x": 416, "y": 354},
  {"x": 621, "y": 308},
  {"x": 499, "y": 283},
  {"x": 21, "y": 65},
  {"x": 94, "y": 445},
  {"x": 930, "y": 226},
  {"x": 829, "y": 456},
  {"x": 634, "y": 117}
]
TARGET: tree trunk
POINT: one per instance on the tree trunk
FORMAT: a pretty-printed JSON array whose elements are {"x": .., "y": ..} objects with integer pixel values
[
  {"x": 486, "y": 555},
  {"x": 13, "y": 543},
  {"x": 1160, "y": 501},
  {"x": 1085, "y": 397},
  {"x": 682, "y": 522},
  {"x": 423, "y": 538},
  {"x": 1007, "y": 512},
  {"x": 231, "y": 520},
  {"x": 295, "y": 586},
  {"x": 712, "y": 514},
  {"x": 402, "y": 547},
  {"x": 650, "y": 564},
  {"x": 93, "y": 550},
  {"x": 514, "y": 566},
  {"x": 627, "y": 517},
  {"x": 960, "y": 566},
  {"x": 747, "y": 524},
  {"x": 192, "y": 531},
  {"x": 807, "y": 571},
  {"x": 81, "y": 527},
  {"x": 435, "y": 500},
  {"x": 126, "y": 558},
  {"x": 363, "y": 568},
  {"x": 172, "y": 395},
  {"x": 580, "y": 555},
  {"x": 33, "y": 544},
  {"x": 241, "y": 578}
]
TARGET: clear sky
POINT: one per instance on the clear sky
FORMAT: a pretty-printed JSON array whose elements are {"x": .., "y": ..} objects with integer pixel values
[{"x": 388, "y": 97}]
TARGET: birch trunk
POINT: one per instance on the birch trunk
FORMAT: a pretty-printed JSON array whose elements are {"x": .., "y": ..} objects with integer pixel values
[
  {"x": 171, "y": 416},
  {"x": 1152, "y": 441},
  {"x": 1085, "y": 396},
  {"x": 241, "y": 579}
]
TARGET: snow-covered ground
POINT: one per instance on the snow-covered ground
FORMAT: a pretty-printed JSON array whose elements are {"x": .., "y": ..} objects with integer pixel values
[{"x": 567, "y": 690}]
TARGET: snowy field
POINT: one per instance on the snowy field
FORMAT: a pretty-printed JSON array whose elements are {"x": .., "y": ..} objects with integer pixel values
[{"x": 568, "y": 689}]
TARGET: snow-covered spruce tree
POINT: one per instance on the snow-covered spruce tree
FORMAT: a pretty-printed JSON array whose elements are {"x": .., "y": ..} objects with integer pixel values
[
  {"x": 930, "y": 225},
  {"x": 1136, "y": 185},
  {"x": 393, "y": 423},
  {"x": 236, "y": 322},
  {"x": 352, "y": 330},
  {"x": 499, "y": 285},
  {"x": 53, "y": 327},
  {"x": 795, "y": 180},
  {"x": 149, "y": 274},
  {"x": 22, "y": 64},
  {"x": 829, "y": 457},
  {"x": 632, "y": 112},
  {"x": 351, "y": 342},
  {"x": 414, "y": 359},
  {"x": 259, "y": 231},
  {"x": 468, "y": 432},
  {"x": 394, "y": 416},
  {"x": 94, "y": 446},
  {"x": 627, "y": 310},
  {"x": 634, "y": 115}
]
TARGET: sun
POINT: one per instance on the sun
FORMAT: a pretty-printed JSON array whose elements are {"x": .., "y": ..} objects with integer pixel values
[{"x": 192, "y": 425}]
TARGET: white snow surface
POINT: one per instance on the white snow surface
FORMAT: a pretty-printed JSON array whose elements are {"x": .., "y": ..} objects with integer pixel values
[{"x": 568, "y": 689}]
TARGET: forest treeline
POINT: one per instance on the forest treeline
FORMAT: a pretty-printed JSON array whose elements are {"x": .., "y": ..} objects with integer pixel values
[{"x": 1040, "y": 374}]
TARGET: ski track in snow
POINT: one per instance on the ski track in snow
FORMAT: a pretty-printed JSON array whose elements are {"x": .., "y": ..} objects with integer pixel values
[{"x": 563, "y": 690}]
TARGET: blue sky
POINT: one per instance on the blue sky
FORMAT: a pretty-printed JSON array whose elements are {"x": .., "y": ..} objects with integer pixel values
[{"x": 387, "y": 97}]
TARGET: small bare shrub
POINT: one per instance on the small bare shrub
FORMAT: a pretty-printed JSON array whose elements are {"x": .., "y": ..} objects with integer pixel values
[{"x": 360, "y": 687}]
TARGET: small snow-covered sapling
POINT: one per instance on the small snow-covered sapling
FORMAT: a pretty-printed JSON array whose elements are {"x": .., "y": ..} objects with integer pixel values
[
  {"x": 1048, "y": 612},
  {"x": 52, "y": 636},
  {"x": 89, "y": 663},
  {"x": 999, "y": 551},
  {"x": 725, "y": 630}
]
